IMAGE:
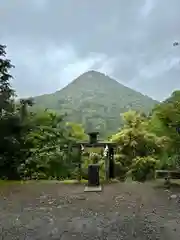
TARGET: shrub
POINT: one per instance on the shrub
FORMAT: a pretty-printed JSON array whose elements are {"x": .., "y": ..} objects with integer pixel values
[
  {"x": 170, "y": 162},
  {"x": 95, "y": 157},
  {"x": 123, "y": 159},
  {"x": 121, "y": 166},
  {"x": 84, "y": 173},
  {"x": 120, "y": 171},
  {"x": 143, "y": 168},
  {"x": 45, "y": 165},
  {"x": 85, "y": 154},
  {"x": 118, "y": 157},
  {"x": 102, "y": 169}
]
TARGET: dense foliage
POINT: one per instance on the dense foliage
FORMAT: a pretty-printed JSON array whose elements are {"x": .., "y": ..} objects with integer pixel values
[{"x": 40, "y": 144}]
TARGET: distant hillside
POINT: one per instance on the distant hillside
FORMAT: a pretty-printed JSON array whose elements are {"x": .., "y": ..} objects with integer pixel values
[{"x": 96, "y": 101}]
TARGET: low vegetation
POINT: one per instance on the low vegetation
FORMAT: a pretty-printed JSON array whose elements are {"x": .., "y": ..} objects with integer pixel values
[{"x": 38, "y": 145}]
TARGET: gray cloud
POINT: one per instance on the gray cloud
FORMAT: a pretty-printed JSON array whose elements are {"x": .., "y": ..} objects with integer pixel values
[{"x": 52, "y": 42}]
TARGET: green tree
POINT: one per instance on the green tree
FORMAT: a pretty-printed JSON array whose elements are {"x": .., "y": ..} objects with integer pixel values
[
  {"x": 23, "y": 108},
  {"x": 10, "y": 127},
  {"x": 6, "y": 91},
  {"x": 135, "y": 140},
  {"x": 165, "y": 121},
  {"x": 50, "y": 154},
  {"x": 168, "y": 114},
  {"x": 139, "y": 148},
  {"x": 76, "y": 131}
]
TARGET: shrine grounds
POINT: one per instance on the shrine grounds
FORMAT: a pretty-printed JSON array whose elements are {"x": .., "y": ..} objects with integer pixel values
[{"x": 52, "y": 210}]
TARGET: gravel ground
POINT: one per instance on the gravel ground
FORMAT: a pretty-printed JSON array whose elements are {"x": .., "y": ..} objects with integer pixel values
[{"x": 62, "y": 211}]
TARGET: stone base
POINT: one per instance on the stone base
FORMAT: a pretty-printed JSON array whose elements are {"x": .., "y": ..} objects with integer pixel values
[{"x": 93, "y": 188}]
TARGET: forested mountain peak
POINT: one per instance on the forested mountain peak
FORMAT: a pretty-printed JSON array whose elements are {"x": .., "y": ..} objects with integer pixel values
[
  {"x": 95, "y": 100},
  {"x": 94, "y": 77}
]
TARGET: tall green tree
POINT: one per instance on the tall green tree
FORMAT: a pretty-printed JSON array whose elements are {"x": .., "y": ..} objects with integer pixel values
[
  {"x": 6, "y": 91},
  {"x": 165, "y": 121},
  {"x": 24, "y": 104},
  {"x": 167, "y": 114},
  {"x": 9, "y": 121},
  {"x": 49, "y": 155},
  {"x": 135, "y": 140},
  {"x": 76, "y": 131}
]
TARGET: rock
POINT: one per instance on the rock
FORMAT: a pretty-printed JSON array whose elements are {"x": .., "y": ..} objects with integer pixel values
[
  {"x": 119, "y": 198},
  {"x": 54, "y": 231},
  {"x": 81, "y": 197},
  {"x": 173, "y": 196},
  {"x": 154, "y": 210}
]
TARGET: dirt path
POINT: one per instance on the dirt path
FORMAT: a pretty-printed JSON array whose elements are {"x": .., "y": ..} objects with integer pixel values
[{"x": 57, "y": 211}]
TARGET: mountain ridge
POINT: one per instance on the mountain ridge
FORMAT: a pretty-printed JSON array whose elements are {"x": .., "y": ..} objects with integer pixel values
[{"x": 96, "y": 72}]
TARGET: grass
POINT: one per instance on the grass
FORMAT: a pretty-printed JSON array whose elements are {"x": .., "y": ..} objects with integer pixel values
[
  {"x": 9, "y": 182},
  {"x": 67, "y": 181}
]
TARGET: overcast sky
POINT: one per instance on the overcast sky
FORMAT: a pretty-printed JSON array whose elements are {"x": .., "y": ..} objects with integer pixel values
[{"x": 51, "y": 42}]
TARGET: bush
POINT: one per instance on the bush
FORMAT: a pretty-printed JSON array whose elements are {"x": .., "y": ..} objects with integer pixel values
[
  {"x": 95, "y": 157},
  {"x": 84, "y": 173},
  {"x": 121, "y": 166},
  {"x": 44, "y": 165},
  {"x": 118, "y": 157},
  {"x": 120, "y": 171},
  {"x": 143, "y": 168},
  {"x": 123, "y": 159},
  {"x": 170, "y": 162},
  {"x": 85, "y": 154},
  {"x": 102, "y": 169}
]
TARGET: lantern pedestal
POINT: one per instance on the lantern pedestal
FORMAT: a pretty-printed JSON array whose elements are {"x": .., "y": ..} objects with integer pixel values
[
  {"x": 93, "y": 189},
  {"x": 93, "y": 179}
]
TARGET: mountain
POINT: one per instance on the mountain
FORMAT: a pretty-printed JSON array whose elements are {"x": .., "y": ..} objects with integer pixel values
[{"x": 96, "y": 101}]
